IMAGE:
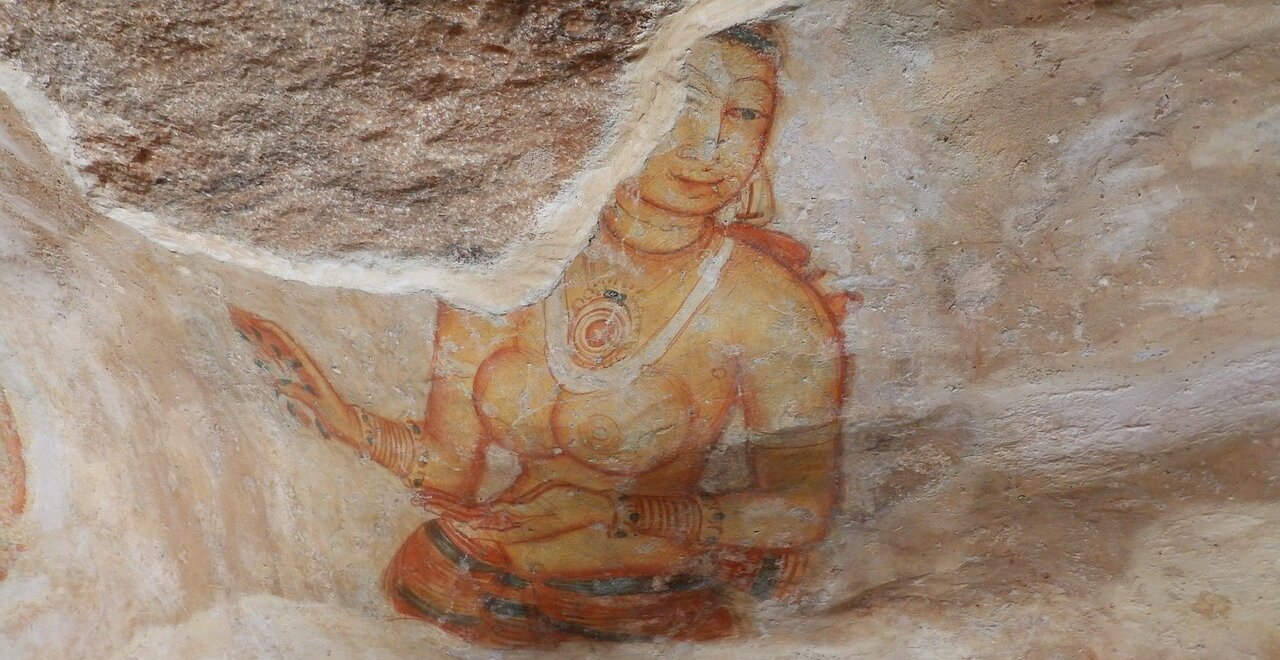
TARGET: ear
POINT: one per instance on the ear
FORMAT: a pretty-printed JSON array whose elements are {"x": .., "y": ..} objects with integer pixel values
[{"x": 755, "y": 202}]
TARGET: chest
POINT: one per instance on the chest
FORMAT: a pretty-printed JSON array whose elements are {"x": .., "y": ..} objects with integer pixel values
[{"x": 627, "y": 422}]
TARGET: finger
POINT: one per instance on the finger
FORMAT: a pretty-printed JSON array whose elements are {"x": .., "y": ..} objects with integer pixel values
[
  {"x": 428, "y": 501},
  {"x": 432, "y": 494},
  {"x": 310, "y": 376},
  {"x": 268, "y": 337},
  {"x": 278, "y": 346},
  {"x": 243, "y": 320},
  {"x": 488, "y": 526},
  {"x": 496, "y": 523},
  {"x": 290, "y": 352},
  {"x": 256, "y": 330},
  {"x": 297, "y": 391},
  {"x": 446, "y": 505},
  {"x": 274, "y": 347},
  {"x": 454, "y": 512},
  {"x": 542, "y": 489},
  {"x": 437, "y": 510},
  {"x": 298, "y": 413},
  {"x": 492, "y": 519},
  {"x": 297, "y": 366},
  {"x": 502, "y": 517}
]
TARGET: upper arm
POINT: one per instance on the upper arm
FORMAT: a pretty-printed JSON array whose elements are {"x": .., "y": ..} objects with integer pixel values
[
  {"x": 463, "y": 341},
  {"x": 791, "y": 385},
  {"x": 791, "y": 369}
]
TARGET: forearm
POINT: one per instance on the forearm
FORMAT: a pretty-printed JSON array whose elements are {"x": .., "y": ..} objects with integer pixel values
[
  {"x": 742, "y": 520},
  {"x": 788, "y": 506},
  {"x": 765, "y": 521}
]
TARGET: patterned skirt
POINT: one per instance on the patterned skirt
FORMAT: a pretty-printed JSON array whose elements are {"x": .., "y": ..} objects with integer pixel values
[{"x": 468, "y": 589}]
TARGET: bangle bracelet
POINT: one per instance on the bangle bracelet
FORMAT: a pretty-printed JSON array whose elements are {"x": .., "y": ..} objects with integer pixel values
[
  {"x": 390, "y": 444},
  {"x": 690, "y": 519},
  {"x": 712, "y": 518}
]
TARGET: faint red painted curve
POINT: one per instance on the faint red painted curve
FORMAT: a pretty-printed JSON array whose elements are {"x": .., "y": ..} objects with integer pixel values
[{"x": 13, "y": 480}]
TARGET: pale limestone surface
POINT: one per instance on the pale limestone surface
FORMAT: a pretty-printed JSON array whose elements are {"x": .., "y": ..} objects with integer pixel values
[{"x": 1060, "y": 443}]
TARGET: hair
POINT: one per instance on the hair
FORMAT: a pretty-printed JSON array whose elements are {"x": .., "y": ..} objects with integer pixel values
[{"x": 761, "y": 37}]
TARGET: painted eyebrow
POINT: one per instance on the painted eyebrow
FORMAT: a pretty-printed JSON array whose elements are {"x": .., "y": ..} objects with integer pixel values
[
  {"x": 699, "y": 89},
  {"x": 758, "y": 79},
  {"x": 708, "y": 81}
]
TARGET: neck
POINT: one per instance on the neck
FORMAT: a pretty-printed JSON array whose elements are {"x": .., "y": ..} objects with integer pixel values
[{"x": 644, "y": 227}]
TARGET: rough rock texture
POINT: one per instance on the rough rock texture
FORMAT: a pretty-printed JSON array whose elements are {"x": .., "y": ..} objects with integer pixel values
[
  {"x": 1060, "y": 443},
  {"x": 335, "y": 126}
]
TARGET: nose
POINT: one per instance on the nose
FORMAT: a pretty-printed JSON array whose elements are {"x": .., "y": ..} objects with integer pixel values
[
  {"x": 702, "y": 151},
  {"x": 707, "y": 147},
  {"x": 704, "y": 143}
]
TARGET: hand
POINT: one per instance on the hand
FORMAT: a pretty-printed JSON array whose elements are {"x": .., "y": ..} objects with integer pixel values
[
  {"x": 298, "y": 378},
  {"x": 550, "y": 510}
]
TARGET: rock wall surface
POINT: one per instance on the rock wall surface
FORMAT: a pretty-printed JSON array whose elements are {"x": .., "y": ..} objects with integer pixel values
[
  {"x": 335, "y": 126},
  {"x": 1059, "y": 442}
]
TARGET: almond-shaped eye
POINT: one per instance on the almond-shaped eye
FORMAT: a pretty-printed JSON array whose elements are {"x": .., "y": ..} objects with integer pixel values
[{"x": 746, "y": 114}]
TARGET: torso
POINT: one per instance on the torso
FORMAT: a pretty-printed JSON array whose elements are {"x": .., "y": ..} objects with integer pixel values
[
  {"x": 644, "y": 432},
  {"x": 612, "y": 382}
]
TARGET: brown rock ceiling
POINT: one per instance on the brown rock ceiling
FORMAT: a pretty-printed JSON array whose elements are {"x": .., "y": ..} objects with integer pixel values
[
  {"x": 396, "y": 127},
  {"x": 333, "y": 126}
]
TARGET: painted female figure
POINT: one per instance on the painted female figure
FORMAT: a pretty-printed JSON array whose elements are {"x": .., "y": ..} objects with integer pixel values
[{"x": 612, "y": 392}]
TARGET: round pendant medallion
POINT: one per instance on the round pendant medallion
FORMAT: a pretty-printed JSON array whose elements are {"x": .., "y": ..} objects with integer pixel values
[{"x": 600, "y": 329}]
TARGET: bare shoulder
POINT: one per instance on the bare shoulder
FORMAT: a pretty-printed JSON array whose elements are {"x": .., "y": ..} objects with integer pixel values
[
  {"x": 465, "y": 338},
  {"x": 756, "y": 289},
  {"x": 790, "y": 367}
]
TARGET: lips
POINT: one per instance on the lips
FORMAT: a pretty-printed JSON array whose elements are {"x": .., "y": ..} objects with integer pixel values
[
  {"x": 692, "y": 188},
  {"x": 704, "y": 179}
]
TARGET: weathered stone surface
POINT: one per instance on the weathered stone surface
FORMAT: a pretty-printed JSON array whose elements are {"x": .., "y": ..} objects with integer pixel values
[
  {"x": 1059, "y": 442},
  {"x": 335, "y": 126}
]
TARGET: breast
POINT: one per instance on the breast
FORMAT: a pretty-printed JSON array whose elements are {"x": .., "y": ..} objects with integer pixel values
[
  {"x": 626, "y": 430},
  {"x": 630, "y": 430},
  {"x": 515, "y": 395}
]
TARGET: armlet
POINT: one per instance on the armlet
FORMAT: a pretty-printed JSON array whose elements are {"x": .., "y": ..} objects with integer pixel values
[{"x": 796, "y": 437}]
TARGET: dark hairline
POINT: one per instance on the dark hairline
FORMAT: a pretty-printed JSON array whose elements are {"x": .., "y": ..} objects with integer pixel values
[{"x": 754, "y": 36}]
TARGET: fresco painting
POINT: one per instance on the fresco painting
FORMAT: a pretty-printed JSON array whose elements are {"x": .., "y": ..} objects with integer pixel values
[
  {"x": 547, "y": 316},
  {"x": 683, "y": 313}
]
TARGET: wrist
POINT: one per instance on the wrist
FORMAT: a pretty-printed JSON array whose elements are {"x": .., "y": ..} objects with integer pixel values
[
  {"x": 353, "y": 429},
  {"x": 393, "y": 445},
  {"x": 365, "y": 432},
  {"x": 695, "y": 520}
]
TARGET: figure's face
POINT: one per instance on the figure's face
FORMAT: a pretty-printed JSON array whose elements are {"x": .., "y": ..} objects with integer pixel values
[{"x": 717, "y": 142}]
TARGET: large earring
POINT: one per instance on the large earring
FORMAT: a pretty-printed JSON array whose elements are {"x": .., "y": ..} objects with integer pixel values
[{"x": 755, "y": 202}]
